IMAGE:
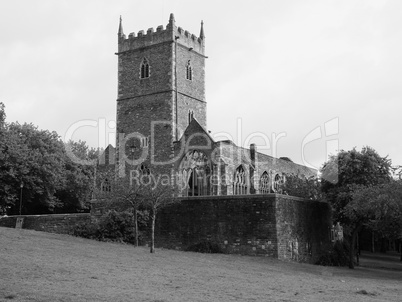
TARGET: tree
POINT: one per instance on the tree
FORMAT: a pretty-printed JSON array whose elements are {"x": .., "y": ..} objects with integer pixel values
[
  {"x": 122, "y": 194},
  {"x": 33, "y": 159},
  {"x": 2, "y": 115},
  {"x": 155, "y": 197},
  {"x": 378, "y": 207},
  {"x": 78, "y": 176},
  {"x": 343, "y": 171},
  {"x": 347, "y": 172},
  {"x": 35, "y": 163},
  {"x": 41, "y": 160}
]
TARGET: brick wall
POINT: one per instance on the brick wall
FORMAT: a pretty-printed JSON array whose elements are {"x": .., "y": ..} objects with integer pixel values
[
  {"x": 267, "y": 225},
  {"x": 54, "y": 223}
]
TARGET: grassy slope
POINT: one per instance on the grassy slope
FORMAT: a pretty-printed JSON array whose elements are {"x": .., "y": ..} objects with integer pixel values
[{"x": 36, "y": 266}]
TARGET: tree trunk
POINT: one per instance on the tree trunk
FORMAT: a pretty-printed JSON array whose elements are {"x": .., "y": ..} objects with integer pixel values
[
  {"x": 357, "y": 249},
  {"x": 136, "y": 227},
  {"x": 352, "y": 246},
  {"x": 153, "y": 232},
  {"x": 400, "y": 248},
  {"x": 372, "y": 242}
]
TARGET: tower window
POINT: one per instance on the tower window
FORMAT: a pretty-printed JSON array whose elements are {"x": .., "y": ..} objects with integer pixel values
[
  {"x": 144, "y": 69},
  {"x": 189, "y": 71},
  {"x": 190, "y": 116}
]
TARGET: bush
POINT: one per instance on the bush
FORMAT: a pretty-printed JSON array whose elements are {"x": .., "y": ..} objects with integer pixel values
[
  {"x": 335, "y": 255},
  {"x": 113, "y": 226},
  {"x": 88, "y": 230},
  {"x": 205, "y": 247}
]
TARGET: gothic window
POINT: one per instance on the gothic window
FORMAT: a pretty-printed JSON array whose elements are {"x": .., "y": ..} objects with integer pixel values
[
  {"x": 240, "y": 182},
  {"x": 105, "y": 186},
  {"x": 195, "y": 174},
  {"x": 264, "y": 183},
  {"x": 144, "y": 73},
  {"x": 277, "y": 185},
  {"x": 189, "y": 71}
]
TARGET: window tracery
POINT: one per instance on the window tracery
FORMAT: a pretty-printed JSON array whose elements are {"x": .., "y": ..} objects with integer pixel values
[
  {"x": 195, "y": 173},
  {"x": 240, "y": 181}
]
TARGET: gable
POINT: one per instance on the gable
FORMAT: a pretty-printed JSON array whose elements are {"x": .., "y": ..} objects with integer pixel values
[{"x": 196, "y": 136}]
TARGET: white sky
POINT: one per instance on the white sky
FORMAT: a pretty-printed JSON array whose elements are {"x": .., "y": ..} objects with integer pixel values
[{"x": 281, "y": 67}]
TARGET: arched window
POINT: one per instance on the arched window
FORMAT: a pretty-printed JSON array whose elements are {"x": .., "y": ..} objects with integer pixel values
[
  {"x": 144, "y": 69},
  {"x": 240, "y": 181},
  {"x": 189, "y": 71},
  {"x": 264, "y": 183},
  {"x": 195, "y": 174},
  {"x": 277, "y": 185}
]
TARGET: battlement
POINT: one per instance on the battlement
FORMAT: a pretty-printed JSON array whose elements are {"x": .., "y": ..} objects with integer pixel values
[{"x": 171, "y": 33}]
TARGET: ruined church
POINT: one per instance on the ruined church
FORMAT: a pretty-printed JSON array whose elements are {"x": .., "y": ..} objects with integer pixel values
[{"x": 161, "y": 122}]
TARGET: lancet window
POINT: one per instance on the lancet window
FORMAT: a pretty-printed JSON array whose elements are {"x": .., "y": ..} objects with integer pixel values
[
  {"x": 144, "y": 73},
  {"x": 189, "y": 71}
]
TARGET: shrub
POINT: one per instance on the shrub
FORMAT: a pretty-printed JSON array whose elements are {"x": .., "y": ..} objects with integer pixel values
[
  {"x": 113, "y": 226},
  {"x": 88, "y": 230},
  {"x": 335, "y": 255},
  {"x": 205, "y": 247},
  {"x": 117, "y": 226}
]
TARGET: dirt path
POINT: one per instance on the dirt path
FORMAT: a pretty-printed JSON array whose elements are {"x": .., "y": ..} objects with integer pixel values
[{"x": 38, "y": 266}]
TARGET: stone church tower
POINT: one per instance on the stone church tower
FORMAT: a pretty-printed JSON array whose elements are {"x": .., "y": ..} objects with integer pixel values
[{"x": 161, "y": 88}]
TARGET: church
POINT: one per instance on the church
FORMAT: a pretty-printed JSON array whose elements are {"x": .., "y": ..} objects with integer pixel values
[
  {"x": 161, "y": 121},
  {"x": 226, "y": 195}
]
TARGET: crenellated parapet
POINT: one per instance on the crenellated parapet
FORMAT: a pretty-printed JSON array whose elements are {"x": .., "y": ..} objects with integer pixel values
[{"x": 170, "y": 34}]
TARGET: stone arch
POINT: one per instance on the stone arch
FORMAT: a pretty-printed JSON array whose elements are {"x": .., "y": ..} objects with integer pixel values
[{"x": 194, "y": 174}]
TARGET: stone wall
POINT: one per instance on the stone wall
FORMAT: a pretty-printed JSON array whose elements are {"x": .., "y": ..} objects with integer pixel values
[
  {"x": 53, "y": 223},
  {"x": 273, "y": 225}
]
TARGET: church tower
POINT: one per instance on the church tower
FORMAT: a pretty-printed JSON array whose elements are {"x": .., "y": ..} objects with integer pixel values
[{"x": 161, "y": 88}]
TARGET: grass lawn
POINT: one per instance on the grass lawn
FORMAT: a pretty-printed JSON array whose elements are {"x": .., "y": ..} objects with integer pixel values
[{"x": 36, "y": 266}]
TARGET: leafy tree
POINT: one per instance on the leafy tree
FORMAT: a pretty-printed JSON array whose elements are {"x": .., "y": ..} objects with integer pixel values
[
  {"x": 122, "y": 194},
  {"x": 78, "y": 176},
  {"x": 346, "y": 172},
  {"x": 2, "y": 115},
  {"x": 378, "y": 207},
  {"x": 155, "y": 197},
  {"x": 37, "y": 160},
  {"x": 7, "y": 198}
]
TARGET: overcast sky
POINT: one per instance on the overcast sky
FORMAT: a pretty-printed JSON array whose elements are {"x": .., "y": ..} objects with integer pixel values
[{"x": 326, "y": 74}]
